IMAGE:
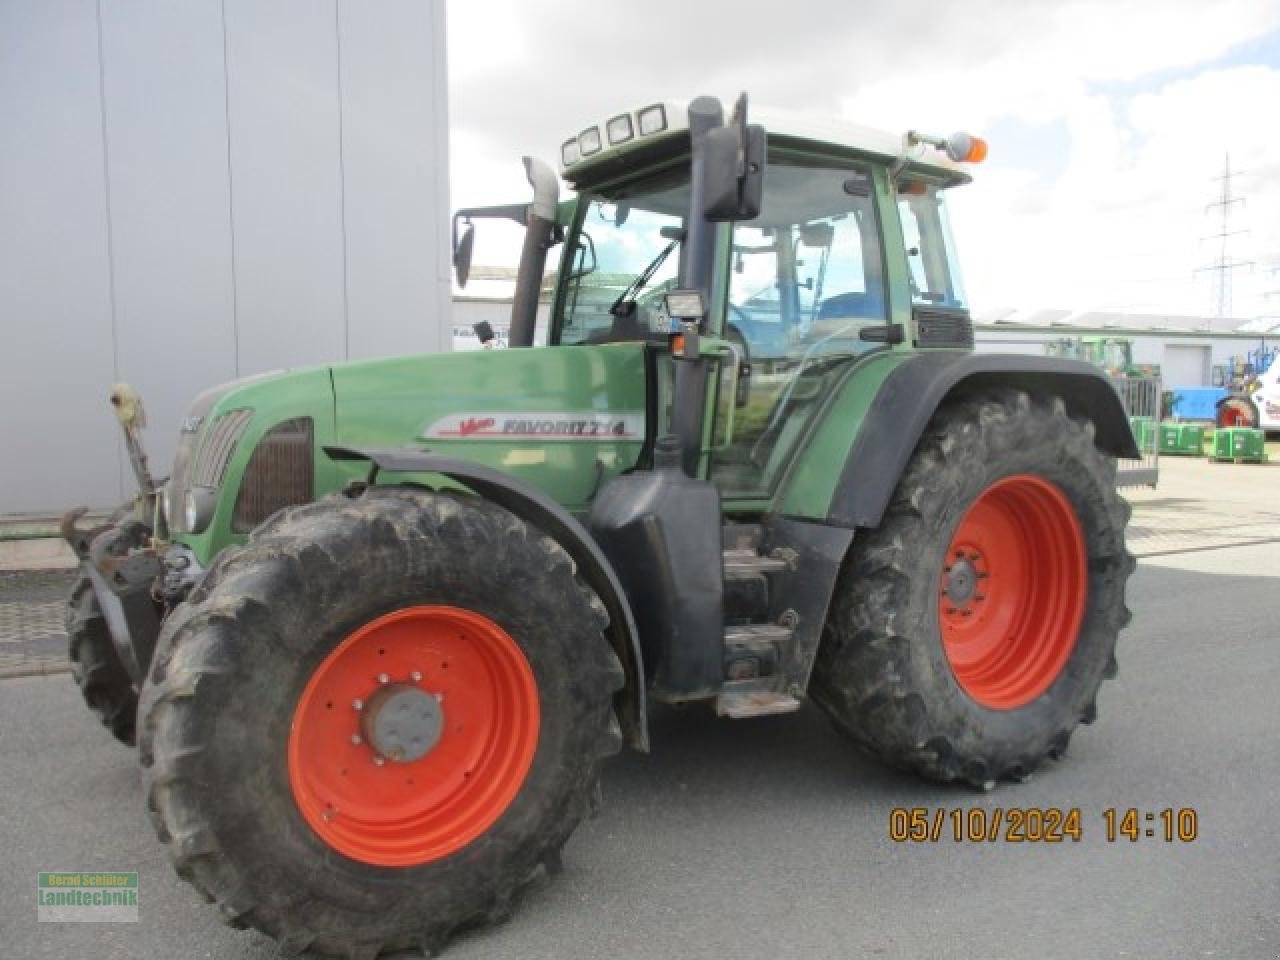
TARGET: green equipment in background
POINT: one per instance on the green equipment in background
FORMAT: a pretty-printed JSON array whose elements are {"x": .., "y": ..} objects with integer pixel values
[
  {"x": 1239, "y": 444},
  {"x": 1181, "y": 439},
  {"x": 1144, "y": 432}
]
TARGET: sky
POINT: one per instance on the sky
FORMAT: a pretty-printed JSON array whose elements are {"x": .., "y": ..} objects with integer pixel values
[{"x": 1107, "y": 121}]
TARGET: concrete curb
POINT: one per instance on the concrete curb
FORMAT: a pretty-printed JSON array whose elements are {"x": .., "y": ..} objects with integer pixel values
[
  {"x": 35, "y": 670},
  {"x": 43, "y": 554}
]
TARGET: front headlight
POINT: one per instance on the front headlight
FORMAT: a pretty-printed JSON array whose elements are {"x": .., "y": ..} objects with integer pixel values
[{"x": 197, "y": 509}]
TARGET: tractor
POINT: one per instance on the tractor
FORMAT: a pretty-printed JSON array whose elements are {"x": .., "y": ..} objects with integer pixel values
[{"x": 378, "y": 629}]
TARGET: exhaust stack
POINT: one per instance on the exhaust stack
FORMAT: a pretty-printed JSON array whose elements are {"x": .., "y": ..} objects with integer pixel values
[{"x": 539, "y": 236}]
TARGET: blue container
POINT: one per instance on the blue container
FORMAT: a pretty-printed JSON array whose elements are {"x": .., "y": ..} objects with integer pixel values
[{"x": 1197, "y": 403}]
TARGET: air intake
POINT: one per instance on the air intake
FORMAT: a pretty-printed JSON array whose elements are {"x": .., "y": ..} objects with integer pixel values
[{"x": 281, "y": 473}]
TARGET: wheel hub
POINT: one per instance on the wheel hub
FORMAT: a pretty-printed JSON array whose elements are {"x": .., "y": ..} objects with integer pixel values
[
  {"x": 961, "y": 580},
  {"x": 402, "y": 722}
]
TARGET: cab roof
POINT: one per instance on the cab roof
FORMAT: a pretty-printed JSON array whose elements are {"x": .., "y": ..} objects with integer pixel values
[{"x": 623, "y": 136}]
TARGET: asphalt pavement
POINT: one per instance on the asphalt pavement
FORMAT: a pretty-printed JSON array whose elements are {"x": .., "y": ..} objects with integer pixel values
[{"x": 770, "y": 838}]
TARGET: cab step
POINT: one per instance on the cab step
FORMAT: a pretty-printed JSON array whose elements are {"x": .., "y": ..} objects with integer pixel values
[
  {"x": 762, "y": 703},
  {"x": 744, "y": 562}
]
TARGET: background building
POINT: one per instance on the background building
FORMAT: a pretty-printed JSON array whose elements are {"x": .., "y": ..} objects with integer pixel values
[
  {"x": 1188, "y": 351},
  {"x": 194, "y": 192}
]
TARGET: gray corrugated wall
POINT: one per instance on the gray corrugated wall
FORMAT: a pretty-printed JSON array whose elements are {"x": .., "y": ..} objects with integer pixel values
[{"x": 194, "y": 191}]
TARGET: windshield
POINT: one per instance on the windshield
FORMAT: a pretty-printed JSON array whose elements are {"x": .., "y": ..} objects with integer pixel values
[
  {"x": 624, "y": 258},
  {"x": 931, "y": 255}
]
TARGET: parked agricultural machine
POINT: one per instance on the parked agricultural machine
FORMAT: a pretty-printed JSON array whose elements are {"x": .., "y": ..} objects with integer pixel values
[{"x": 381, "y": 624}]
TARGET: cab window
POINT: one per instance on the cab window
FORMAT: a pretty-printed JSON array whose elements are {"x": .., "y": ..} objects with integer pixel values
[
  {"x": 933, "y": 272},
  {"x": 807, "y": 277}
]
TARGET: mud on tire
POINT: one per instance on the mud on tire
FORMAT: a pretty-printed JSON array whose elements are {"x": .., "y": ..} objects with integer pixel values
[
  {"x": 882, "y": 673},
  {"x": 232, "y": 661}
]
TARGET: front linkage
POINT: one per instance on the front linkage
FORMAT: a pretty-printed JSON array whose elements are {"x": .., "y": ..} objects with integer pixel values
[{"x": 130, "y": 578}]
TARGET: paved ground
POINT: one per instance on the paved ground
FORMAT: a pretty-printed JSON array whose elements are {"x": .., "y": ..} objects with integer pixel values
[
  {"x": 1203, "y": 505},
  {"x": 768, "y": 838},
  {"x": 32, "y": 615}
]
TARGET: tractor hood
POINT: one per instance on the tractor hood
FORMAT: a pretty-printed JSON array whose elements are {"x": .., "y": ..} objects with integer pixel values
[
  {"x": 560, "y": 418},
  {"x": 556, "y": 417}
]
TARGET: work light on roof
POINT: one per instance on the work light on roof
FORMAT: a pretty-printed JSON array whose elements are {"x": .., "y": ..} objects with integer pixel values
[
  {"x": 652, "y": 119},
  {"x": 589, "y": 141},
  {"x": 619, "y": 129},
  {"x": 569, "y": 152}
]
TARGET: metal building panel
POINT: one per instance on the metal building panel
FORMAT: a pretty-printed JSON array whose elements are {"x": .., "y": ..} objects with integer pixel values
[
  {"x": 170, "y": 205},
  {"x": 395, "y": 163},
  {"x": 56, "y": 358},
  {"x": 286, "y": 184}
]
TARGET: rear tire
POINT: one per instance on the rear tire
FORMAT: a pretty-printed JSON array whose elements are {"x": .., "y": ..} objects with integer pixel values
[
  {"x": 896, "y": 670},
  {"x": 240, "y": 714}
]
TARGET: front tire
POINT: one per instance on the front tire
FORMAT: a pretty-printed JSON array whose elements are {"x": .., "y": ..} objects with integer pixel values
[
  {"x": 103, "y": 681},
  {"x": 481, "y": 656},
  {"x": 96, "y": 667},
  {"x": 972, "y": 628}
]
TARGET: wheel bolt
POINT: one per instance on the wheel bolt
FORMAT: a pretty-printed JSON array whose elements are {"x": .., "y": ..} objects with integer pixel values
[
  {"x": 355, "y": 738},
  {"x": 357, "y": 704},
  {"x": 383, "y": 678},
  {"x": 439, "y": 698},
  {"x": 416, "y": 676},
  {"x": 378, "y": 760}
]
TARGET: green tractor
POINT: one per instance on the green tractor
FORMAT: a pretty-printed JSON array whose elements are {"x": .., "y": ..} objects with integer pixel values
[{"x": 384, "y": 620}]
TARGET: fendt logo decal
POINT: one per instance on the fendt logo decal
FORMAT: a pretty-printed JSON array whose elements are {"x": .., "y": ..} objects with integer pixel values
[{"x": 544, "y": 426}]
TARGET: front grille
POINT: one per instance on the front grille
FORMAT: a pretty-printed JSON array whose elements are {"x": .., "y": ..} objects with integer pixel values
[
  {"x": 215, "y": 452},
  {"x": 189, "y": 440},
  {"x": 942, "y": 327},
  {"x": 280, "y": 474}
]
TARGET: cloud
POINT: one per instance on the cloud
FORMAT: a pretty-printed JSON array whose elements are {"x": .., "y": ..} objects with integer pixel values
[{"x": 1122, "y": 111}]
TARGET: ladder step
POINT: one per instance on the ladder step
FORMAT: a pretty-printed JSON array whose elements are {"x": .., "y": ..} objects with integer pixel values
[
  {"x": 756, "y": 635},
  {"x": 740, "y": 706},
  {"x": 744, "y": 562}
]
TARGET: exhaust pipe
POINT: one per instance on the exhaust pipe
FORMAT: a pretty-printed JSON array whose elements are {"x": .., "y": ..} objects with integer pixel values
[{"x": 539, "y": 237}]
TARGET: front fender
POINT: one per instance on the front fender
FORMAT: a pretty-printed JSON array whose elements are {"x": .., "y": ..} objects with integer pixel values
[{"x": 535, "y": 507}]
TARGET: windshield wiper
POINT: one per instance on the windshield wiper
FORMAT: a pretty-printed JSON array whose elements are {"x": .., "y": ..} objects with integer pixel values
[{"x": 627, "y": 297}]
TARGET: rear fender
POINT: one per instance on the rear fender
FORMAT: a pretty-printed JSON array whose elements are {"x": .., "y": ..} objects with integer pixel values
[{"x": 914, "y": 389}]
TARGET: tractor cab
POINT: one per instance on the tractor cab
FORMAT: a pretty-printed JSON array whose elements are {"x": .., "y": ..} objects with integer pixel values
[{"x": 849, "y": 252}]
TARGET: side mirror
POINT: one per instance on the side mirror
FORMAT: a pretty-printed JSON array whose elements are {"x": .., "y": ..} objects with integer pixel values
[
  {"x": 734, "y": 163},
  {"x": 462, "y": 254}
]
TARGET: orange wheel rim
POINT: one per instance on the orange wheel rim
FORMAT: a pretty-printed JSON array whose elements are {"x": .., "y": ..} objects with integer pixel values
[
  {"x": 1012, "y": 592},
  {"x": 413, "y": 736},
  {"x": 1234, "y": 416}
]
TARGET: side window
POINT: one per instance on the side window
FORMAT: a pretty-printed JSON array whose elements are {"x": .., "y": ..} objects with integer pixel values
[
  {"x": 807, "y": 277},
  {"x": 933, "y": 271}
]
